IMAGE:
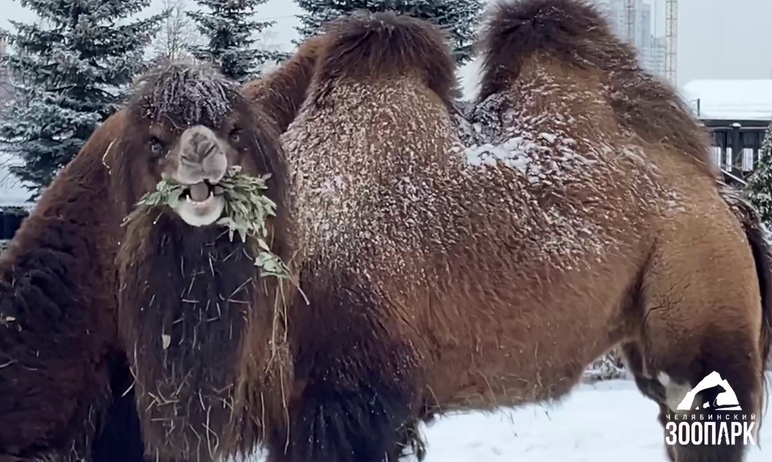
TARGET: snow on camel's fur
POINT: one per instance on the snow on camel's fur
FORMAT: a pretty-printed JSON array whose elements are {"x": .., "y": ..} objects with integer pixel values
[{"x": 578, "y": 213}]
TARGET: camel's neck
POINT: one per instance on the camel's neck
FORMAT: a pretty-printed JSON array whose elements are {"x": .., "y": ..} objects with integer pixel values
[
  {"x": 282, "y": 92},
  {"x": 183, "y": 309}
]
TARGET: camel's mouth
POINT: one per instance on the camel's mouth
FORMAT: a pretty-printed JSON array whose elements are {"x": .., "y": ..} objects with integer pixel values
[{"x": 201, "y": 204}]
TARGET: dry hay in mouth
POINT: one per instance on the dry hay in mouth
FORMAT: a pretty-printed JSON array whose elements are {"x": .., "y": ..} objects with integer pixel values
[{"x": 246, "y": 211}]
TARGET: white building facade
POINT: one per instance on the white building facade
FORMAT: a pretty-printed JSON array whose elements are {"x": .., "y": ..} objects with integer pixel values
[{"x": 651, "y": 49}]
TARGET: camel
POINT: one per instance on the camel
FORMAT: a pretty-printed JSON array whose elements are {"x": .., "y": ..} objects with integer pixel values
[
  {"x": 454, "y": 265},
  {"x": 63, "y": 376},
  {"x": 201, "y": 327},
  {"x": 443, "y": 268},
  {"x": 70, "y": 383}
]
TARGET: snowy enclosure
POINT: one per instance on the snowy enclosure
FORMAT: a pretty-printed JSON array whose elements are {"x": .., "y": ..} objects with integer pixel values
[
  {"x": 605, "y": 422},
  {"x": 609, "y": 421}
]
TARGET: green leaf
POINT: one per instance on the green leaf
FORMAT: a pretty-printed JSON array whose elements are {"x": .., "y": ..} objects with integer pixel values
[{"x": 246, "y": 212}]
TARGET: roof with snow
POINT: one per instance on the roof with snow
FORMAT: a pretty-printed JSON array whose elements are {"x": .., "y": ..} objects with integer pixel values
[{"x": 749, "y": 100}]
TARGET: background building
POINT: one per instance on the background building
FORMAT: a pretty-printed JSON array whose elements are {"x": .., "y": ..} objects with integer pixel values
[
  {"x": 652, "y": 49},
  {"x": 737, "y": 113}
]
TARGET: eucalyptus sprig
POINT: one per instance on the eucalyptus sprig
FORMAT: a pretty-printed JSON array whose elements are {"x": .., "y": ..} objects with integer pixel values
[
  {"x": 246, "y": 208},
  {"x": 246, "y": 212}
]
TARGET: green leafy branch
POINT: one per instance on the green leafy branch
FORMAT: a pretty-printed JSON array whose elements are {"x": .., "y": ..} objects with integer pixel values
[{"x": 246, "y": 212}]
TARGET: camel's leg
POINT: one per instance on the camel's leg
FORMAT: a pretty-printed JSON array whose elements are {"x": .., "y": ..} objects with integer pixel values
[
  {"x": 697, "y": 323},
  {"x": 355, "y": 397},
  {"x": 651, "y": 388},
  {"x": 120, "y": 437},
  {"x": 345, "y": 415}
]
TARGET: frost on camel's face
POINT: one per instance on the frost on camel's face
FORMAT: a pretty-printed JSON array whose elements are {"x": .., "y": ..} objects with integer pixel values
[{"x": 191, "y": 126}]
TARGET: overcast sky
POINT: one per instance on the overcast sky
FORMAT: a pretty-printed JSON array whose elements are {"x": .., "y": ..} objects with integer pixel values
[{"x": 717, "y": 39}]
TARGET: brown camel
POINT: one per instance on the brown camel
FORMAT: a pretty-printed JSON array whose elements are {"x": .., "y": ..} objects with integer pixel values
[
  {"x": 63, "y": 377},
  {"x": 439, "y": 277},
  {"x": 446, "y": 272},
  {"x": 202, "y": 331},
  {"x": 66, "y": 389}
]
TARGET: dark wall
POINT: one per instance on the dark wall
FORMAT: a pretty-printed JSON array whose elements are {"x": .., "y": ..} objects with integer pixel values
[{"x": 10, "y": 220}]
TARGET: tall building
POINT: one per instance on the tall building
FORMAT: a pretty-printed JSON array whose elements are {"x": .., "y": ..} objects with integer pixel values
[{"x": 652, "y": 49}]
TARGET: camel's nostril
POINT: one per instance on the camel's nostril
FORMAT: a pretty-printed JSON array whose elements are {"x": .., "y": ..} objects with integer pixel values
[
  {"x": 207, "y": 149},
  {"x": 199, "y": 150},
  {"x": 201, "y": 156}
]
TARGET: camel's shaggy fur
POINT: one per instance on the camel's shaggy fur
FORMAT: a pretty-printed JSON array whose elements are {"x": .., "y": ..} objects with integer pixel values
[
  {"x": 574, "y": 34},
  {"x": 186, "y": 296},
  {"x": 63, "y": 375},
  {"x": 468, "y": 267},
  {"x": 196, "y": 319},
  {"x": 444, "y": 264}
]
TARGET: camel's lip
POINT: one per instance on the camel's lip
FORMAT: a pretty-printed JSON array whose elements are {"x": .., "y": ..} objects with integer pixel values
[
  {"x": 201, "y": 213},
  {"x": 209, "y": 201}
]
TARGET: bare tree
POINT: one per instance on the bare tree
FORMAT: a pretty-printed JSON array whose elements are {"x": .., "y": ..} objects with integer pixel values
[
  {"x": 177, "y": 33},
  {"x": 266, "y": 40}
]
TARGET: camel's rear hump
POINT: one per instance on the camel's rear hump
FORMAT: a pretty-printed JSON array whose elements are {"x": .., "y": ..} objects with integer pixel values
[
  {"x": 576, "y": 34},
  {"x": 570, "y": 31}
]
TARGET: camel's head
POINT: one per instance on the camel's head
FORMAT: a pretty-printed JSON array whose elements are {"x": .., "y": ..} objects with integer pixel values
[
  {"x": 189, "y": 124},
  {"x": 189, "y": 293}
]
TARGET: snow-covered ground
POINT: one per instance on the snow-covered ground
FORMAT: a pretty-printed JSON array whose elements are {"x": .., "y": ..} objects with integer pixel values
[{"x": 608, "y": 421}]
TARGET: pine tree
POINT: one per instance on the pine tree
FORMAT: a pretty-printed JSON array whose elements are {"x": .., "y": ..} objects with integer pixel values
[
  {"x": 759, "y": 188},
  {"x": 458, "y": 17},
  {"x": 230, "y": 29},
  {"x": 70, "y": 71}
]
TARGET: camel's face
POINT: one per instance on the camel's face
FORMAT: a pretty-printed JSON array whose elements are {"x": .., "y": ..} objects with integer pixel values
[
  {"x": 198, "y": 156},
  {"x": 190, "y": 125}
]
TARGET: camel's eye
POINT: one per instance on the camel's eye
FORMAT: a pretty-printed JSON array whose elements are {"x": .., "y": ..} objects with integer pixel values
[
  {"x": 156, "y": 147},
  {"x": 235, "y": 135}
]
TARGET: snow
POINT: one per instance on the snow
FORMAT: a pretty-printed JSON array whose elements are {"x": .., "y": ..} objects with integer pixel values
[
  {"x": 187, "y": 94},
  {"x": 609, "y": 421},
  {"x": 605, "y": 422},
  {"x": 469, "y": 77},
  {"x": 730, "y": 99}
]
